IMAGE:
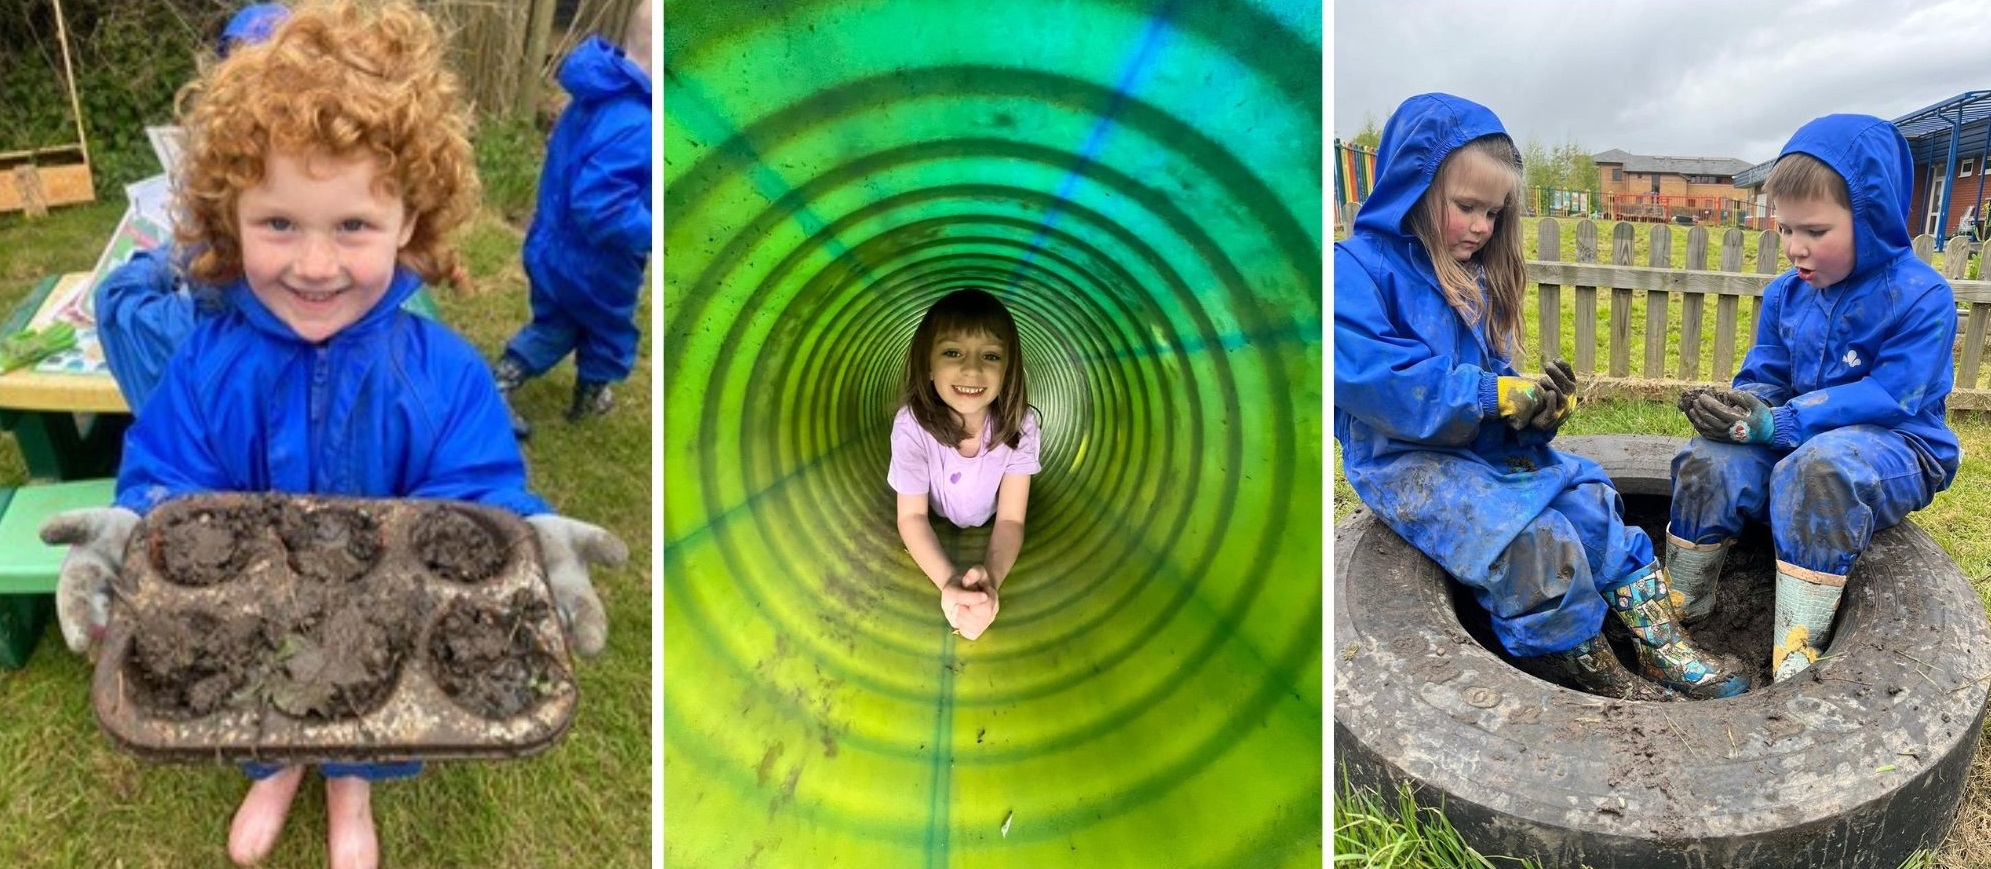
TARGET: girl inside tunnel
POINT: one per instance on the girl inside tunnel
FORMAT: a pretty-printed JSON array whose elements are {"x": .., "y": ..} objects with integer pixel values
[{"x": 965, "y": 443}]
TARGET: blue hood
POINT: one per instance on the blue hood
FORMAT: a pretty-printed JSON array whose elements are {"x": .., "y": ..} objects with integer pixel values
[
  {"x": 1418, "y": 137},
  {"x": 1873, "y": 158},
  {"x": 596, "y": 70}
]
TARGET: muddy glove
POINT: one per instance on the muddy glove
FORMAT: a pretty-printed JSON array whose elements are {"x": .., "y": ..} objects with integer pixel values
[
  {"x": 96, "y": 538},
  {"x": 1733, "y": 416},
  {"x": 569, "y": 547},
  {"x": 1558, "y": 385},
  {"x": 1518, "y": 400}
]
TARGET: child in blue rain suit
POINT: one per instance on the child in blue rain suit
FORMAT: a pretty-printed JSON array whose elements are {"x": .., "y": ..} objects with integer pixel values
[
  {"x": 319, "y": 209},
  {"x": 590, "y": 235},
  {"x": 1450, "y": 447},
  {"x": 144, "y": 309},
  {"x": 1834, "y": 427}
]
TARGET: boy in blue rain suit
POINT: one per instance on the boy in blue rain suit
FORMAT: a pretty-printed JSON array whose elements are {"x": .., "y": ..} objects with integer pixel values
[
  {"x": 1450, "y": 448},
  {"x": 1834, "y": 426},
  {"x": 590, "y": 235},
  {"x": 319, "y": 209}
]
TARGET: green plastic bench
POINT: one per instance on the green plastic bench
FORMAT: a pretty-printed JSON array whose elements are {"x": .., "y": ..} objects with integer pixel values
[{"x": 28, "y": 566}]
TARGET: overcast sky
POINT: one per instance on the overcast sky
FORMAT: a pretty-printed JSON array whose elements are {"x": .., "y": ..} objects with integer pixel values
[{"x": 1681, "y": 78}]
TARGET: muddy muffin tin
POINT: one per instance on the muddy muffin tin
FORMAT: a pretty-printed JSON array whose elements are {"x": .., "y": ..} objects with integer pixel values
[{"x": 311, "y": 629}]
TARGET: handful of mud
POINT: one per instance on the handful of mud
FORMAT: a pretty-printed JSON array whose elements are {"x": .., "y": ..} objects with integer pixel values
[{"x": 306, "y": 629}]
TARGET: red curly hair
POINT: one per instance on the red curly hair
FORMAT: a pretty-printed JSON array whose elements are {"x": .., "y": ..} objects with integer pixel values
[{"x": 343, "y": 79}]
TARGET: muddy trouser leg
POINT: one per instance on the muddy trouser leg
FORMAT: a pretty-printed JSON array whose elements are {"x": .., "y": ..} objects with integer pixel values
[
  {"x": 1831, "y": 495},
  {"x": 1716, "y": 487},
  {"x": 1544, "y": 608}
]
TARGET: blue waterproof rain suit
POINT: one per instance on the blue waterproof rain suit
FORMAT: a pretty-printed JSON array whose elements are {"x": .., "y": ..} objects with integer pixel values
[
  {"x": 1537, "y": 534},
  {"x": 590, "y": 235},
  {"x": 1856, "y": 375},
  {"x": 395, "y": 405},
  {"x": 144, "y": 310}
]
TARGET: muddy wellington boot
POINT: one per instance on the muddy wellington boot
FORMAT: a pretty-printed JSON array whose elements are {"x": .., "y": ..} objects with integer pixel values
[
  {"x": 1806, "y": 601},
  {"x": 1592, "y": 668},
  {"x": 591, "y": 398},
  {"x": 1665, "y": 654},
  {"x": 510, "y": 374},
  {"x": 1694, "y": 570}
]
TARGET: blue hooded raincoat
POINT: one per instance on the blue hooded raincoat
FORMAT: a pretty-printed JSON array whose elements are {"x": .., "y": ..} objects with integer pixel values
[
  {"x": 590, "y": 235},
  {"x": 1856, "y": 374},
  {"x": 394, "y": 405},
  {"x": 1537, "y": 534}
]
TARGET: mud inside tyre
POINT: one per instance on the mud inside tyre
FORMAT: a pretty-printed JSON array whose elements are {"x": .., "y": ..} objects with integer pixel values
[{"x": 1858, "y": 762}]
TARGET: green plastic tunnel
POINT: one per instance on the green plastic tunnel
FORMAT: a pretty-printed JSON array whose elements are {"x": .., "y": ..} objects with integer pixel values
[{"x": 1140, "y": 182}]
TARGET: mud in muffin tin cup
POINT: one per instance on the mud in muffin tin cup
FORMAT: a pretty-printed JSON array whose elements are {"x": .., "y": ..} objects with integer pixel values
[{"x": 310, "y": 629}]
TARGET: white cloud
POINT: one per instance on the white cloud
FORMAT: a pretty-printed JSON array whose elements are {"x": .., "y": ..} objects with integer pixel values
[{"x": 1689, "y": 78}]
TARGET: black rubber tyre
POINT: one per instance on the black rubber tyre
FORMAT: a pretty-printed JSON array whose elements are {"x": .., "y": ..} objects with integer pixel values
[{"x": 1858, "y": 762}]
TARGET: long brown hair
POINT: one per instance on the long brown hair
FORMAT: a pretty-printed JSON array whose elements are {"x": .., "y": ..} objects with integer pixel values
[
  {"x": 1501, "y": 259},
  {"x": 966, "y": 312}
]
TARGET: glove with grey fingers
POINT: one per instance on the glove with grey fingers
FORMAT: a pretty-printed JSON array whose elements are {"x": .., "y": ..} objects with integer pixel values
[
  {"x": 569, "y": 547},
  {"x": 96, "y": 538}
]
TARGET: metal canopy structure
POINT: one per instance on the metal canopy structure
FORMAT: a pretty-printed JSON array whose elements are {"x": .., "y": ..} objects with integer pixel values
[{"x": 1938, "y": 134}]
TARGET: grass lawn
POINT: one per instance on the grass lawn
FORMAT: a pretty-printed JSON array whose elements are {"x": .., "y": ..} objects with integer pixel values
[
  {"x": 1955, "y": 520},
  {"x": 70, "y": 798}
]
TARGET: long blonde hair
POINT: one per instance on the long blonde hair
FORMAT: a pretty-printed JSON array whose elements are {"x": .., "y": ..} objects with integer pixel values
[{"x": 1500, "y": 260}]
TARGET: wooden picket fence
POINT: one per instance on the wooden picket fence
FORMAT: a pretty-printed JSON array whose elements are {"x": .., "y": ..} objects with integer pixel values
[{"x": 1611, "y": 277}]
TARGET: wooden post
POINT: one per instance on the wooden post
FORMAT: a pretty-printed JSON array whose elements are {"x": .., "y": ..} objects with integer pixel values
[
  {"x": 1767, "y": 250},
  {"x": 1658, "y": 304},
  {"x": 1622, "y": 237},
  {"x": 69, "y": 77},
  {"x": 1586, "y": 301},
  {"x": 28, "y": 182},
  {"x": 1690, "y": 307},
  {"x": 1725, "y": 309}
]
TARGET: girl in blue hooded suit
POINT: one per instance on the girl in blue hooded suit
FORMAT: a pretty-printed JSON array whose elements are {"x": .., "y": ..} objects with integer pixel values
[
  {"x": 1835, "y": 422},
  {"x": 1450, "y": 447}
]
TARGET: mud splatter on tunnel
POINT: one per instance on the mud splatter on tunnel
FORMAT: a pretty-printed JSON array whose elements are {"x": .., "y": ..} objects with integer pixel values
[{"x": 1140, "y": 182}]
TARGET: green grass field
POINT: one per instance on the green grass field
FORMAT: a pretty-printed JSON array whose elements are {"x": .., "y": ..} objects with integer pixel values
[{"x": 70, "y": 798}]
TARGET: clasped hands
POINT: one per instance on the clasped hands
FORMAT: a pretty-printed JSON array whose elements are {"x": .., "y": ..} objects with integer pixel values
[
  {"x": 970, "y": 601},
  {"x": 1541, "y": 403},
  {"x": 1728, "y": 415}
]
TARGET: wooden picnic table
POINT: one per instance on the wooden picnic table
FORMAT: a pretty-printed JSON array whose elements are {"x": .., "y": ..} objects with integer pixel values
[{"x": 69, "y": 424}]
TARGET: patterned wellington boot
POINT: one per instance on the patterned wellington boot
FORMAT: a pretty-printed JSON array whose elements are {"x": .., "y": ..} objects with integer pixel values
[
  {"x": 510, "y": 374},
  {"x": 1806, "y": 602},
  {"x": 1665, "y": 654},
  {"x": 1592, "y": 668},
  {"x": 591, "y": 398},
  {"x": 1694, "y": 569}
]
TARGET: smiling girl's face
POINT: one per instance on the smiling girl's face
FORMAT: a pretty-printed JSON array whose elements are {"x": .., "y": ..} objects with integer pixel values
[{"x": 967, "y": 373}]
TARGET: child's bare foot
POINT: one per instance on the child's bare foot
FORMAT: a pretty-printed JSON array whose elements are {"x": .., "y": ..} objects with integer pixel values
[
  {"x": 349, "y": 813},
  {"x": 260, "y": 819}
]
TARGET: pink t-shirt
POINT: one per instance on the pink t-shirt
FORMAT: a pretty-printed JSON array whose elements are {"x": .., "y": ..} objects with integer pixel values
[{"x": 961, "y": 488}]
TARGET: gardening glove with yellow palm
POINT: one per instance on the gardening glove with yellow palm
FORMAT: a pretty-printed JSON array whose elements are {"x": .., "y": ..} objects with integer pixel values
[
  {"x": 1558, "y": 384},
  {"x": 1518, "y": 400},
  {"x": 568, "y": 547},
  {"x": 96, "y": 538}
]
